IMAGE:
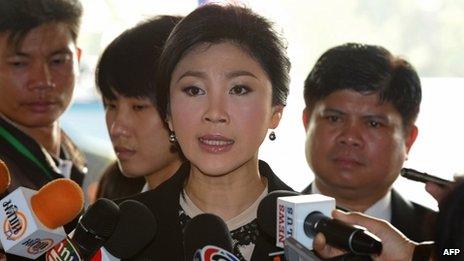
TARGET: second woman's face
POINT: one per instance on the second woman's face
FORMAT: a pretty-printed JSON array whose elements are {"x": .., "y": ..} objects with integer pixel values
[
  {"x": 139, "y": 136},
  {"x": 221, "y": 107}
]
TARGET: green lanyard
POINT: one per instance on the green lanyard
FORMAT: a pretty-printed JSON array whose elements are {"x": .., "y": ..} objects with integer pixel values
[{"x": 23, "y": 150}]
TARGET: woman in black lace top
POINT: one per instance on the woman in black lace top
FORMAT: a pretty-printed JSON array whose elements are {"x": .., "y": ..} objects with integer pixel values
[{"x": 223, "y": 84}]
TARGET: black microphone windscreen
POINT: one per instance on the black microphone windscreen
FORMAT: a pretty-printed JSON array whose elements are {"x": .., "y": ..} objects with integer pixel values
[
  {"x": 136, "y": 228},
  {"x": 267, "y": 211},
  {"x": 203, "y": 230},
  {"x": 96, "y": 225}
]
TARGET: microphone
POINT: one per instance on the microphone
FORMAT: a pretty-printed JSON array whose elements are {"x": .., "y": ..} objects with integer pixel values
[
  {"x": 94, "y": 228},
  {"x": 58, "y": 202},
  {"x": 5, "y": 177},
  {"x": 302, "y": 217},
  {"x": 32, "y": 220},
  {"x": 337, "y": 233},
  {"x": 136, "y": 228},
  {"x": 415, "y": 175},
  {"x": 123, "y": 230},
  {"x": 267, "y": 214},
  {"x": 207, "y": 238}
]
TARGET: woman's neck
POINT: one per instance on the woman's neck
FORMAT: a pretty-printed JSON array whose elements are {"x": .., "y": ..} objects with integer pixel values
[{"x": 227, "y": 195}]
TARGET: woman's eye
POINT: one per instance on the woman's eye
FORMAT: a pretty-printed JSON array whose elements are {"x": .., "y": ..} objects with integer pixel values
[
  {"x": 239, "y": 90},
  {"x": 193, "y": 91}
]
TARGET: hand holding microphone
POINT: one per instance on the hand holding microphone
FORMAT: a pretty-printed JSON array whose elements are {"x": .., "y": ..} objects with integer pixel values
[
  {"x": 283, "y": 214},
  {"x": 437, "y": 187},
  {"x": 396, "y": 246}
]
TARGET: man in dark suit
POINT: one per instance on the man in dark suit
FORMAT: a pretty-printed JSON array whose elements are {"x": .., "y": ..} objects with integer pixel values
[{"x": 361, "y": 107}]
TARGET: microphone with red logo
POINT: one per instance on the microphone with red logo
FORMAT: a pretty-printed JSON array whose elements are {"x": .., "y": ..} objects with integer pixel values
[
  {"x": 32, "y": 220},
  {"x": 303, "y": 216},
  {"x": 207, "y": 238},
  {"x": 123, "y": 230},
  {"x": 94, "y": 228}
]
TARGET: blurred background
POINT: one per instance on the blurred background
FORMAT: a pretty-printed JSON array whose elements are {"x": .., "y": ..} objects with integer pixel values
[{"x": 428, "y": 33}]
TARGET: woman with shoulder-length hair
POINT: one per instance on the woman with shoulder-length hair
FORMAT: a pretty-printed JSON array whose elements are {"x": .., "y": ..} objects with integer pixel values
[{"x": 223, "y": 83}]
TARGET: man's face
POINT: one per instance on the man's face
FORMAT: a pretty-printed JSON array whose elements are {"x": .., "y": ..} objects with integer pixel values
[
  {"x": 355, "y": 145},
  {"x": 37, "y": 77}
]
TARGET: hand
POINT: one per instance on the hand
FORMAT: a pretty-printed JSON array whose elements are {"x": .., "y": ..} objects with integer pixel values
[
  {"x": 325, "y": 250},
  {"x": 396, "y": 246},
  {"x": 440, "y": 192}
]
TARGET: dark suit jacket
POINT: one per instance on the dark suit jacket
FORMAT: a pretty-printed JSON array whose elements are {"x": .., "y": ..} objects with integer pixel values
[
  {"x": 412, "y": 219},
  {"x": 164, "y": 203},
  {"x": 24, "y": 172}
]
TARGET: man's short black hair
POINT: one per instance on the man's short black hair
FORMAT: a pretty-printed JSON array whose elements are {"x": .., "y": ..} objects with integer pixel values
[
  {"x": 366, "y": 69},
  {"x": 129, "y": 62},
  {"x": 18, "y": 17}
]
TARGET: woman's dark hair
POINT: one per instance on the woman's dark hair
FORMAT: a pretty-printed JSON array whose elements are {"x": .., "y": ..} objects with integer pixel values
[
  {"x": 214, "y": 24},
  {"x": 366, "y": 69},
  {"x": 18, "y": 17},
  {"x": 128, "y": 64}
]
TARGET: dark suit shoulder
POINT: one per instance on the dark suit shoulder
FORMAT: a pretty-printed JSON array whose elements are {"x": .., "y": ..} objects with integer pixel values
[
  {"x": 274, "y": 182},
  {"x": 163, "y": 202},
  {"x": 423, "y": 210},
  {"x": 413, "y": 219},
  {"x": 307, "y": 190}
]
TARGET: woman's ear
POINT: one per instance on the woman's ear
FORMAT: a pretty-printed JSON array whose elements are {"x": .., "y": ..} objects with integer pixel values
[{"x": 276, "y": 116}]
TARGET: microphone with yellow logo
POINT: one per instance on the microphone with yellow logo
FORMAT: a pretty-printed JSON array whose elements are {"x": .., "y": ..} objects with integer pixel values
[{"x": 31, "y": 221}]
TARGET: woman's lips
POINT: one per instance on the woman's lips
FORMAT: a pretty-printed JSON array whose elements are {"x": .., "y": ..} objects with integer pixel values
[{"x": 215, "y": 143}]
